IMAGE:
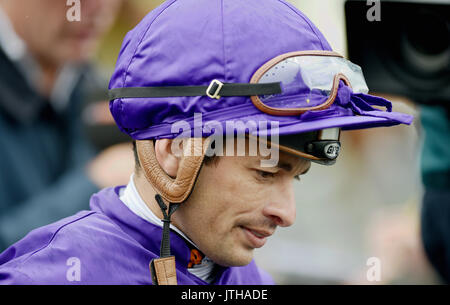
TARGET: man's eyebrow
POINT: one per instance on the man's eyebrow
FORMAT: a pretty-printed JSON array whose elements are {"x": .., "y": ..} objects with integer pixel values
[
  {"x": 288, "y": 167},
  {"x": 306, "y": 170}
]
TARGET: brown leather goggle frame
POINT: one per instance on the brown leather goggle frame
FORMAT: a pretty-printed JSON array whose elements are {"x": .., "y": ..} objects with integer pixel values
[{"x": 296, "y": 111}]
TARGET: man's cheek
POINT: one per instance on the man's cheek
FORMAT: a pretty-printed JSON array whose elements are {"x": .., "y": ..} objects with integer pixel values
[{"x": 236, "y": 184}]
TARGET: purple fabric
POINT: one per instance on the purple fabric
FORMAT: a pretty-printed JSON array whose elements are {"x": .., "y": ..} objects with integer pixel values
[
  {"x": 192, "y": 42},
  {"x": 113, "y": 246}
]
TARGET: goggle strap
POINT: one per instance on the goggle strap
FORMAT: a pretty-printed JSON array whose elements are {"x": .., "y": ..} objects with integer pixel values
[{"x": 215, "y": 90}]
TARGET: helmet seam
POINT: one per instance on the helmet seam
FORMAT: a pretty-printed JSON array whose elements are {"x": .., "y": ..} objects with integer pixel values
[
  {"x": 306, "y": 20},
  {"x": 140, "y": 42},
  {"x": 223, "y": 44}
]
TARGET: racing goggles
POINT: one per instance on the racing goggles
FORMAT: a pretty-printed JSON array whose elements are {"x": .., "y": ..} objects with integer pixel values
[
  {"x": 289, "y": 84},
  {"x": 309, "y": 81}
]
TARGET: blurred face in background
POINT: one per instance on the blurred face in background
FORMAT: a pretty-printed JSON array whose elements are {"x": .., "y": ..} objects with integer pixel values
[{"x": 51, "y": 37}]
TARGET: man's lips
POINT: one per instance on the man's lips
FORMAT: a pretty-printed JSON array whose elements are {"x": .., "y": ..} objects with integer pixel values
[{"x": 256, "y": 237}]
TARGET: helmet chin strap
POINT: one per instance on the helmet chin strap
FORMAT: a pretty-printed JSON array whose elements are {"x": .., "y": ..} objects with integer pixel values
[{"x": 173, "y": 190}]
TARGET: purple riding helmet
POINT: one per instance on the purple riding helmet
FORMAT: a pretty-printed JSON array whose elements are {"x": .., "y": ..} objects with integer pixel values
[{"x": 236, "y": 61}]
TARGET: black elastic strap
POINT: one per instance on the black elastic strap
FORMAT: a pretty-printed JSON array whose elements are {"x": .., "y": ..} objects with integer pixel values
[
  {"x": 228, "y": 89},
  {"x": 165, "y": 242}
]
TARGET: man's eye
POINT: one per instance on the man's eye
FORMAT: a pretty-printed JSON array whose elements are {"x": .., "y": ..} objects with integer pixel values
[{"x": 265, "y": 175}]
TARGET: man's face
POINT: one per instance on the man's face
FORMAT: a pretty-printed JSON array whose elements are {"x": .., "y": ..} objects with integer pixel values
[
  {"x": 236, "y": 205},
  {"x": 51, "y": 37}
]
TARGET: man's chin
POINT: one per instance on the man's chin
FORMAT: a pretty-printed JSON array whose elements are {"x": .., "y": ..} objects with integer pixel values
[{"x": 235, "y": 259}]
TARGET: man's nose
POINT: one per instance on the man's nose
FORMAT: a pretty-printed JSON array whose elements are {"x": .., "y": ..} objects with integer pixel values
[{"x": 281, "y": 209}]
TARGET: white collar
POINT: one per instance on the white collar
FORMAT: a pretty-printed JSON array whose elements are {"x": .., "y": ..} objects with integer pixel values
[
  {"x": 15, "y": 49},
  {"x": 13, "y": 46},
  {"x": 129, "y": 195}
]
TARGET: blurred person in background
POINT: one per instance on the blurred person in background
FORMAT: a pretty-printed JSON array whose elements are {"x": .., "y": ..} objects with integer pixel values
[
  {"x": 406, "y": 52},
  {"x": 435, "y": 169},
  {"x": 47, "y": 167}
]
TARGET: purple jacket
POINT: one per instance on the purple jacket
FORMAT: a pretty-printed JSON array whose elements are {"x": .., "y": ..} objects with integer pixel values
[{"x": 107, "y": 245}]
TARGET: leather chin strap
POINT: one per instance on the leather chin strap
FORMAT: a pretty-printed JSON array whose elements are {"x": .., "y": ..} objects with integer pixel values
[{"x": 175, "y": 191}]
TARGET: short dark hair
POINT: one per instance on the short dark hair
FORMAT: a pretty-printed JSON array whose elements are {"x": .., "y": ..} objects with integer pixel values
[{"x": 137, "y": 165}]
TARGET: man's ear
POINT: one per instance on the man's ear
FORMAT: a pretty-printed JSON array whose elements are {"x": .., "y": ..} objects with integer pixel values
[
  {"x": 159, "y": 163},
  {"x": 167, "y": 160}
]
